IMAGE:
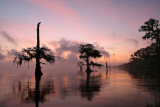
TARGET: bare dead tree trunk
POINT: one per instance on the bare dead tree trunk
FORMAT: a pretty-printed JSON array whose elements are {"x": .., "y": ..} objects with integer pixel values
[{"x": 38, "y": 67}]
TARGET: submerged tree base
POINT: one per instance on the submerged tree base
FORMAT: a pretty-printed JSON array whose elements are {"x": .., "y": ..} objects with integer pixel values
[
  {"x": 38, "y": 71},
  {"x": 38, "y": 74}
]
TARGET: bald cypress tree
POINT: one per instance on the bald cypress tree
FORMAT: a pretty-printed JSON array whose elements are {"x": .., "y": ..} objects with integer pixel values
[
  {"x": 87, "y": 51},
  {"x": 35, "y": 53}
]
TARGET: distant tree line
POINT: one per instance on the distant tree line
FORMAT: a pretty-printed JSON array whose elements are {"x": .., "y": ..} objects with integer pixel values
[{"x": 147, "y": 58}]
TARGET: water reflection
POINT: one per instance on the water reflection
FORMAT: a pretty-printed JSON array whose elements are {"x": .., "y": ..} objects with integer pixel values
[
  {"x": 90, "y": 87},
  {"x": 149, "y": 82},
  {"x": 29, "y": 93},
  {"x": 114, "y": 88}
]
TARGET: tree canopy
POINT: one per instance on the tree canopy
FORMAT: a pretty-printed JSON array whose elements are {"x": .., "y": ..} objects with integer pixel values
[
  {"x": 148, "y": 57},
  {"x": 151, "y": 27},
  {"x": 152, "y": 31},
  {"x": 30, "y": 53},
  {"x": 87, "y": 51}
]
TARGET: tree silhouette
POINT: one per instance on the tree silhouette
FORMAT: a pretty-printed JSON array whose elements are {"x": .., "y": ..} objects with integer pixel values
[
  {"x": 35, "y": 52},
  {"x": 152, "y": 30},
  {"x": 144, "y": 57},
  {"x": 87, "y": 51},
  {"x": 146, "y": 60}
]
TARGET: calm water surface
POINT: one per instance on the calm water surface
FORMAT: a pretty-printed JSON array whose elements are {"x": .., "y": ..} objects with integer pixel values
[{"x": 66, "y": 86}]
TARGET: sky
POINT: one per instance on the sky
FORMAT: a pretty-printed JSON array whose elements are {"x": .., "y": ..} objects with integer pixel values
[{"x": 111, "y": 25}]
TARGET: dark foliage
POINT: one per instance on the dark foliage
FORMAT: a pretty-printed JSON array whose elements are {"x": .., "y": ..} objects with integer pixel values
[
  {"x": 30, "y": 53},
  {"x": 87, "y": 51},
  {"x": 152, "y": 31},
  {"x": 147, "y": 59}
]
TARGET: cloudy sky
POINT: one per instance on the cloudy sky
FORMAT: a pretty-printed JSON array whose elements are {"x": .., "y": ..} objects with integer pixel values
[{"x": 111, "y": 25}]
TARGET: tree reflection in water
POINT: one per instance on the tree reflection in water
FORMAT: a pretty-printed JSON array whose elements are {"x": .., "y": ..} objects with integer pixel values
[
  {"x": 148, "y": 81},
  {"x": 38, "y": 93},
  {"x": 90, "y": 87}
]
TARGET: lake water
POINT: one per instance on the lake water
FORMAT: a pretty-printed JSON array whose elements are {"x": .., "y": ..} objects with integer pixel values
[{"x": 64, "y": 85}]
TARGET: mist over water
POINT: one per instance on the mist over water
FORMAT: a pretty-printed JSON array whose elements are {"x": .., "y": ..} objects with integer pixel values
[{"x": 63, "y": 84}]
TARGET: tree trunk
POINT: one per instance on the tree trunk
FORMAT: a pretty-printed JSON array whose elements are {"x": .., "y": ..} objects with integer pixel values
[
  {"x": 88, "y": 66},
  {"x": 38, "y": 67}
]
